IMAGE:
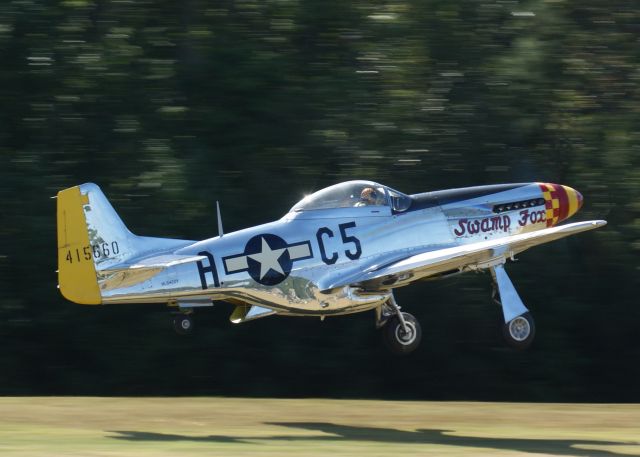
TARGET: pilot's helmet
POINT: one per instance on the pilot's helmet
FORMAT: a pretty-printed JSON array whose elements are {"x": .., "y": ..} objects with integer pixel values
[{"x": 369, "y": 195}]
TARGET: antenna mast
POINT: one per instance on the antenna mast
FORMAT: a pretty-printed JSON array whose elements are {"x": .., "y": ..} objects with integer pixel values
[{"x": 220, "y": 230}]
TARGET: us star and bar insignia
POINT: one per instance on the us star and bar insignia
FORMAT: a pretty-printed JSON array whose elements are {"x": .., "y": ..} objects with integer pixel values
[{"x": 268, "y": 258}]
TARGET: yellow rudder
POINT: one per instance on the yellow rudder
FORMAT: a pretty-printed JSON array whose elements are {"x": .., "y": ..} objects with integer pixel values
[{"x": 76, "y": 271}]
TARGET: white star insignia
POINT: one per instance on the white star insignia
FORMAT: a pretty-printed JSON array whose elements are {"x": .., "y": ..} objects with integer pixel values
[{"x": 268, "y": 259}]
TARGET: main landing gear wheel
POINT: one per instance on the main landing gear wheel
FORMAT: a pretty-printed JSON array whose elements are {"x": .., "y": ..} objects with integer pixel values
[
  {"x": 402, "y": 339},
  {"x": 183, "y": 324},
  {"x": 520, "y": 331}
]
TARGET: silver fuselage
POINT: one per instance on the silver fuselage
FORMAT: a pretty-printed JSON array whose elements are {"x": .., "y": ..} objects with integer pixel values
[{"x": 310, "y": 246}]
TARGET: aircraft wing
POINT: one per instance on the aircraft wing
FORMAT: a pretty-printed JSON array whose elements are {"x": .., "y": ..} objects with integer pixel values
[{"x": 484, "y": 254}]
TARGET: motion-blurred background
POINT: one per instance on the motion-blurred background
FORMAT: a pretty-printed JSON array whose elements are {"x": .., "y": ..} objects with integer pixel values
[{"x": 169, "y": 106}]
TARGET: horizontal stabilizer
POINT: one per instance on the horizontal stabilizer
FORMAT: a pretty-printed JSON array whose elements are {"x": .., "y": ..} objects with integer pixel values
[
  {"x": 129, "y": 274},
  {"x": 158, "y": 262}
]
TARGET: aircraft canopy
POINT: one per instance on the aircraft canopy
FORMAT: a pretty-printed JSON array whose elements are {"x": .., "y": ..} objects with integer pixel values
[{"x": 354, "y": 194}]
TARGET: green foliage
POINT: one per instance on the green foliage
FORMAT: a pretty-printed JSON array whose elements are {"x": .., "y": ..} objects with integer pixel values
[{"x": 169, "y": 106}]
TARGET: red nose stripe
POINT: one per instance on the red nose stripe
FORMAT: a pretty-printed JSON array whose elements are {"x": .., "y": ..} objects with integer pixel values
[{"x": 561, "y": 195}]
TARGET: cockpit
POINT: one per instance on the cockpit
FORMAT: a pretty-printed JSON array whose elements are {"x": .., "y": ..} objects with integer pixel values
[{"x": 354, "y": 194}]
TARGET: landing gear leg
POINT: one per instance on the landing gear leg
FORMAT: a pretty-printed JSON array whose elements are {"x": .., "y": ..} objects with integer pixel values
[
  {"x": 402, "y": 332},
  {"x": 519, "y": 328}
]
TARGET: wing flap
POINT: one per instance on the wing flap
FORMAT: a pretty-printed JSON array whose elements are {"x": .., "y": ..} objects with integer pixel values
[{"x": 479, "y": 255}]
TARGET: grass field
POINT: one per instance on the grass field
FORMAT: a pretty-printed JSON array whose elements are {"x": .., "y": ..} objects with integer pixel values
[{"x": 61, "y": 426}]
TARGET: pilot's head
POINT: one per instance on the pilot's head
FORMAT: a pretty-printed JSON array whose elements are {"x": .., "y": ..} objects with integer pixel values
[{"x": 369, "y": 195}]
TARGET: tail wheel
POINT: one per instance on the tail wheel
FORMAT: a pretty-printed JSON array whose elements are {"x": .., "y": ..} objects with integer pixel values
[
  {"x": 520, "y": 331},
  {"x": 400, "y": 340},
  {"x": 183, "y": 324}
]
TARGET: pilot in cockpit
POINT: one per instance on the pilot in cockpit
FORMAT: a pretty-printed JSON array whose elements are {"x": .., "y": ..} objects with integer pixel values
[{"x": 368, "y": 197}]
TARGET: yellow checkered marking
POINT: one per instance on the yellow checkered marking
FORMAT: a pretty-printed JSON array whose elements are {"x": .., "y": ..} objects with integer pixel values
[{"x": 553, "y": 210}]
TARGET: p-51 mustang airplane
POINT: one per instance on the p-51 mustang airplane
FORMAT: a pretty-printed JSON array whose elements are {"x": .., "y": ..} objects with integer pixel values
[{"x": 341, "y": 250}]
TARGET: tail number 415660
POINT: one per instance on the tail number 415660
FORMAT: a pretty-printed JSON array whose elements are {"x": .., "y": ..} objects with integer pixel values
[{"x": 96, "y": 251}]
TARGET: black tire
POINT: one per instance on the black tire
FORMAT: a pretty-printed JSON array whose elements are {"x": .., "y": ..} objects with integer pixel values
[
  {"x": 183, "y": 324},
  {"x": 520, "y": 331},
  {"x": 395, "y": 337}
]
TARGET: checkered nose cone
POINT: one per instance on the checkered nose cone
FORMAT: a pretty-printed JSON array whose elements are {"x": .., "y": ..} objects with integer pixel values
[{"x": 561, "y": 202}]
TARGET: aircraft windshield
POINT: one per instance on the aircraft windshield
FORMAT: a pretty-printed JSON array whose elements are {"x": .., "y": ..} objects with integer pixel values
[
  {"x": 345, "y": 195},
  {"x": 399, "y": 201}
]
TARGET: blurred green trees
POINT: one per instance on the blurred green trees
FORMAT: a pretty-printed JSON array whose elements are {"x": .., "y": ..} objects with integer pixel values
[{"x": 169, "y": 106}]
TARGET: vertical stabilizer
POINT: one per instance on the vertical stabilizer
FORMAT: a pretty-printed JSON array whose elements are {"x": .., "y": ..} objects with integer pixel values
[{"x": 92, "y": 238}]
